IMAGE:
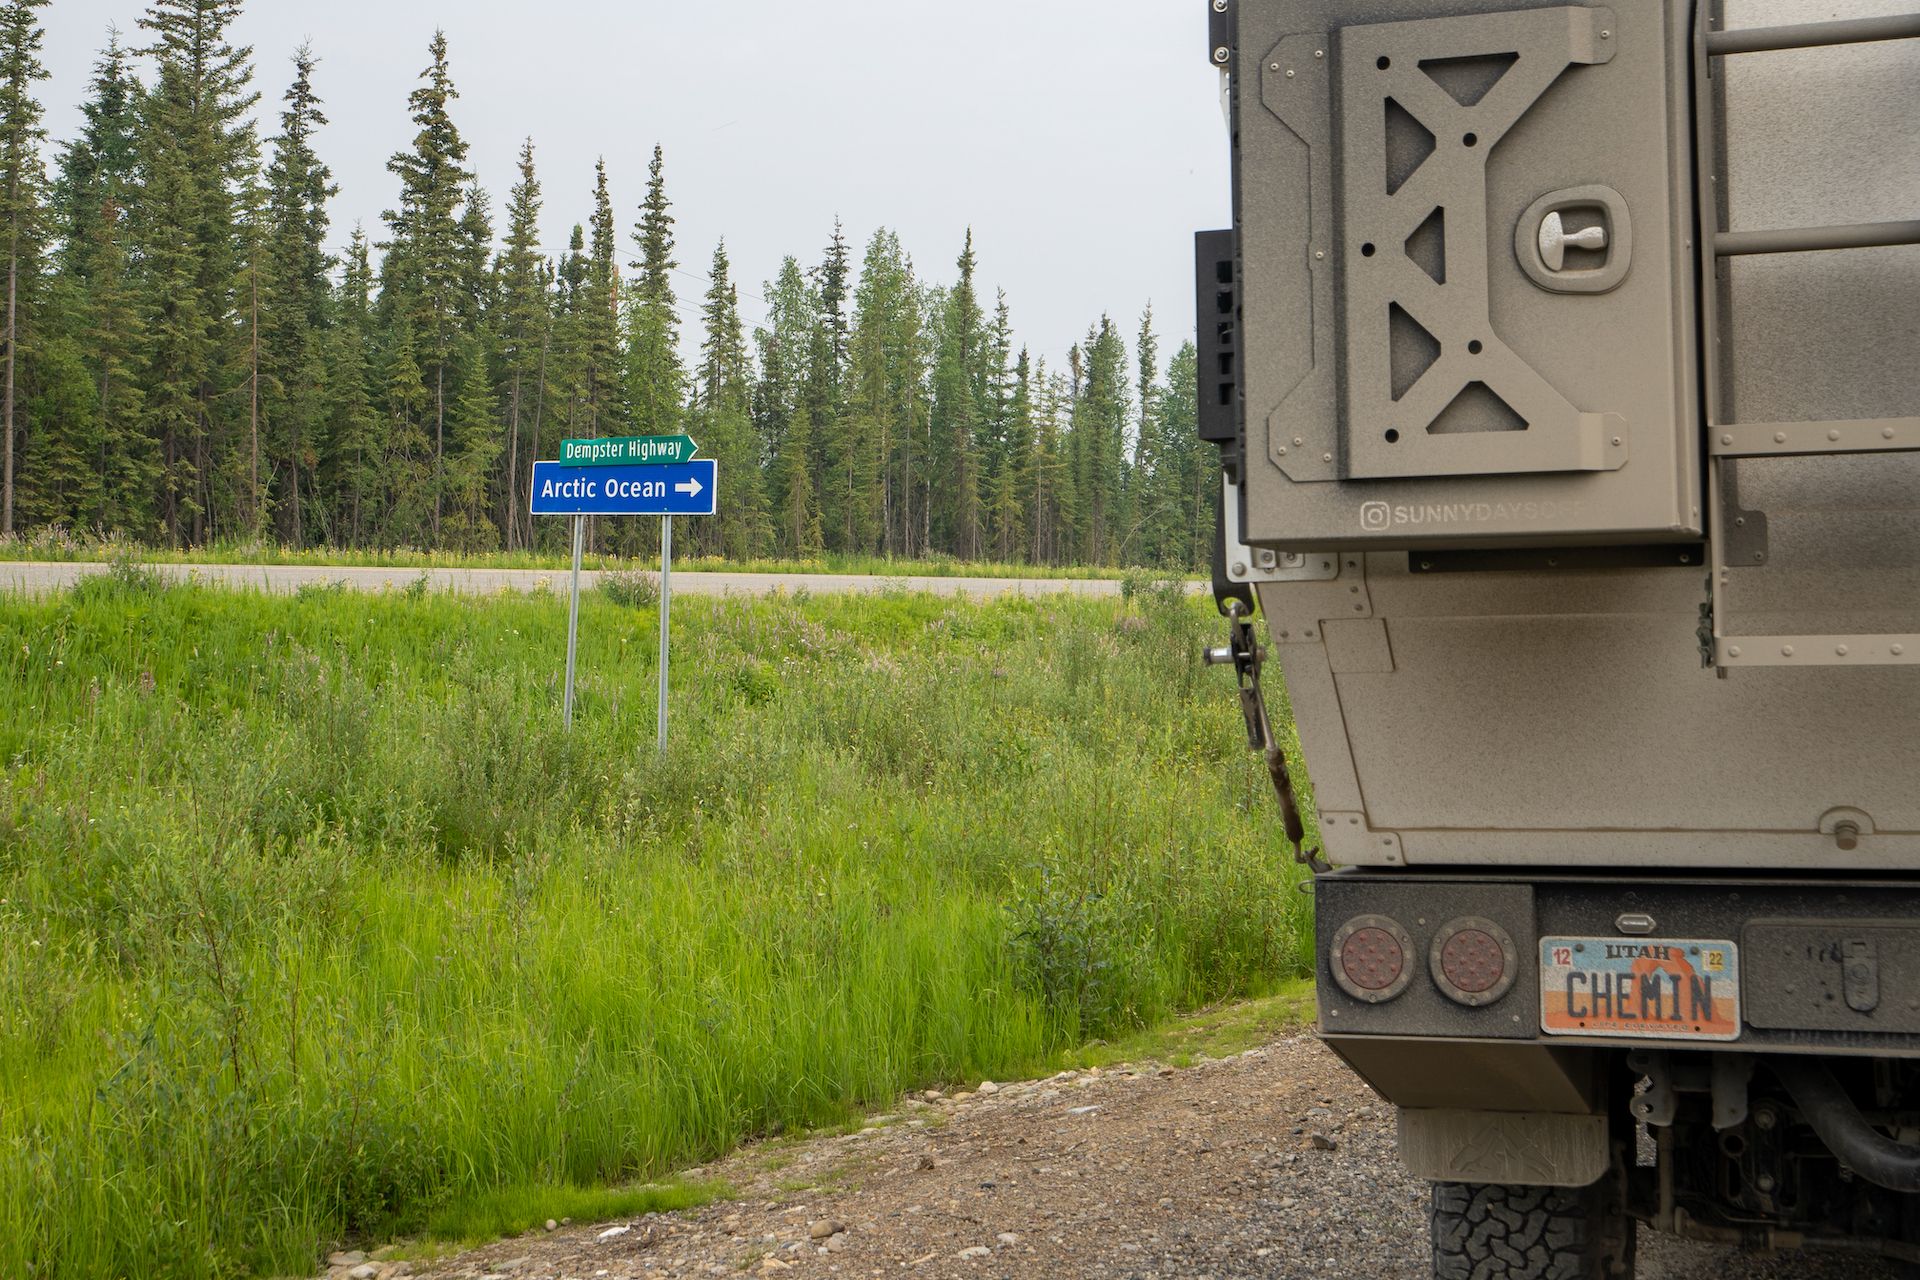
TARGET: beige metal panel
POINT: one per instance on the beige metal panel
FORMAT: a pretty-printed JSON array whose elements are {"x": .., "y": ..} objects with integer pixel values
[
  {"x": 1726, "y": 850},
  {"x": 1358, "y": 645},
  {"x": 1528, "y": 718},
  {"x": 1323, "y": 738},
  {"x": 1625, "y": 352},
  {"x": 1610, "y": 722},
  {"x": 1516, "y": 1076}
]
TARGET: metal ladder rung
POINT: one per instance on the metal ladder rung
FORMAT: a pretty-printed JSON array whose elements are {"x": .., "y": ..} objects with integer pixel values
[
  {"x": 1814, "y": 35},
  {"x": 1857, "y": 235},
  {"x": 1817, "y": 651},
  {"x": 1727, "y": 442},
  {"x": 1803, "y": 439}
]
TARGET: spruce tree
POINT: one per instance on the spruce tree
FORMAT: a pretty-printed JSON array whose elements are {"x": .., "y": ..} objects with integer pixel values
[
  {"x": 22, "y": 210},
  {"x": 605, "y": 401},
  {"x": 1152, "y": 507},
  {"x": 1099, "y": 428},
  {"x": 722, "y": 390},
  {"x": 874, "y": 477},
  {"x": 197, "y": 147},
  {"x": 474, "y": 449},
  {"x": 409, "y": 464},
  {"x": 799, "y": 517},
  {"x": 1192, "y": 467},
  {"x": 297, "y": 298},
  {"x": 97, "y": 169},
  {"x": 1013, "y": 482},
  {"x": 1001, "y": 472},
  {"x": 93, "y": 294},
  {"x": 523, "y": 325},
  {"x": 112, "y": 333},
  {"x": 826, "y": 360},
  {"x": 781, "y": 397},
  {"x": 351, "y": 461},
  {"x": 428, "y": 264},
  {"x": 656, "y": 381},
  {"x": 955, "y": 426},
  {"x": 66, "y": 489}
]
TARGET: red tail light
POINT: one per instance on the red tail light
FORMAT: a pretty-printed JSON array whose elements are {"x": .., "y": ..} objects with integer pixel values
[
  {"x": 1371, "y": 958},
  {"x": 1473, "y": 960}
]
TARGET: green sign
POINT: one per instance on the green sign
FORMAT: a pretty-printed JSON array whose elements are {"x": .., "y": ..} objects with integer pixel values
[{"x": 627, "y": 451}]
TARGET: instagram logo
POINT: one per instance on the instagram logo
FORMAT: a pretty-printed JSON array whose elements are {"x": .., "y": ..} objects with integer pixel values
[{"x": 1375, "y": 516}]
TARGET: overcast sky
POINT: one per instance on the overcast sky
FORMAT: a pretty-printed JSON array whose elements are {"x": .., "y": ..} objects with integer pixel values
[{"x": 1081, "y": 139}]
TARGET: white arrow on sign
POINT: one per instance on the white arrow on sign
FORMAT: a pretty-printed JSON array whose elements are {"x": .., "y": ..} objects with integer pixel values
[{"x": 691, "y": 488}]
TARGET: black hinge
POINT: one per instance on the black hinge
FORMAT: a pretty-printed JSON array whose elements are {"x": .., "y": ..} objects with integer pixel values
[
  {"x": 1220, "y": 33},
  {"x": 1217, "y": 343}
]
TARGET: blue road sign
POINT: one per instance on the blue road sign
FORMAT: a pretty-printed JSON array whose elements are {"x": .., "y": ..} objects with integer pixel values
[{"x": 676, "y": 489}]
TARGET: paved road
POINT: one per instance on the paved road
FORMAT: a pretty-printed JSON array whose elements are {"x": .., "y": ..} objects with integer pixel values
[{"x": 39, "y": 577}]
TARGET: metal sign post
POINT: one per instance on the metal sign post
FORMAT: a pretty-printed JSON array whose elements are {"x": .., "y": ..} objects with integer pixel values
[
  {"x": 573, "y": 617},
  {"x": 640, "y": 476},
  {"x": 666, "y": 604}
]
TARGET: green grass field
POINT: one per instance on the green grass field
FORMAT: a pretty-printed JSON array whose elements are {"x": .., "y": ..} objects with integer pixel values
[
  {"x": 316, "y": 927},
  {"x": 56, "y": 546}
]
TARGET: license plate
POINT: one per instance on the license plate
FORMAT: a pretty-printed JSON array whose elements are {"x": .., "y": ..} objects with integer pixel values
[{"x": 1657, "y": 988}]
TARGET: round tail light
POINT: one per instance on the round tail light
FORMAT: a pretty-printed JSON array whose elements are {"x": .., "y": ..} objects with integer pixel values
[
  {"x": 1371, "y": 958},
  {"x": 1473, "y": 960}
]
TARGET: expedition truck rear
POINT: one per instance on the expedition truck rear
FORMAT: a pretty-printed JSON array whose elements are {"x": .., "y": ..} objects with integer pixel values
[{"x": 1564, "y": 362}]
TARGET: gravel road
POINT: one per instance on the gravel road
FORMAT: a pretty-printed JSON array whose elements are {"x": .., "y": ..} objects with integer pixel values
[
  {"x": 1276, "y": 1164},
  {"x": 43, "y": 576}
]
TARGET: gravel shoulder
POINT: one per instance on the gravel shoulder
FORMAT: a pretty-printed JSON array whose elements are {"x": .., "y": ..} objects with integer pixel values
[{"x": 1273, "y": 1163}]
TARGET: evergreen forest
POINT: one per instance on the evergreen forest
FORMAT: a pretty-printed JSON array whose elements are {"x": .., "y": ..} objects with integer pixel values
[{"x": 194, "y": 355}]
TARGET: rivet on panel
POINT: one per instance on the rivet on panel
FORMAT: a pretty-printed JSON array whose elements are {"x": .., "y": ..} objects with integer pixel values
[
  {"x": 1326, "y": 457},
  {"x": 1616, "y": 442},
  {"x": 1319, "y": 53},
  {"x": 1899, "y": 649},
  {"x": 1833, "y": 435},
  {"x": 1733, "y": 651},
  {"x": 1726, "y": 439},
  {"x": 1297, "y": 442},
  {"x": 1840, "y": 649},
  {"x": 1779, "y": 437},
  {"x": 1273, "y": 66},
  {"x": 1289, "y": 73},
  {"x": 1886, "y": 433},
  {"x": 1283, "y": 451},
  {"x": 1786, "y": 651}
]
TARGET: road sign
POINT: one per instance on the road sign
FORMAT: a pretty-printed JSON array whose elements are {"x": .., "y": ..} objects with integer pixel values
[
  {"x": 625, "y": 476},
  {"x": 675, "y": 489},
  {"x": 627, "y": 451}
]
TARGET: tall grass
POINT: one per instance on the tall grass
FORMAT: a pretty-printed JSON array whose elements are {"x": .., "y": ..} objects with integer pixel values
[
  {"x": 53, "y": 544},
  {"x": 314, "y": 923}
]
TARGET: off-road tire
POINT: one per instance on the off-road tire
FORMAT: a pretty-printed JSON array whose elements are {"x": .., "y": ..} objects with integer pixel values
[{"x": 1486, "y": 1232}]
